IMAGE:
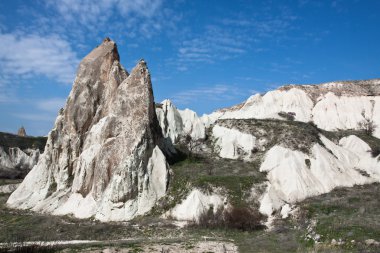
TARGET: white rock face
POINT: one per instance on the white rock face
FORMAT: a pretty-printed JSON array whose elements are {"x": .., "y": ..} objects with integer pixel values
[
  {"x": 294, "y": 176},
  {"x": 102, "y": 157},
  {"x": 17, "y": 162},
  {"x": 177, "y": 123},
  {"x": 273, "y": 102},
  {"x": 332, "y": 106},
  {"x": 195, "y": 204},
  {"x": 8, "y": 188},
  {"x": 233, "y": 144},
  {"x": 170, "y": 120},
  {"x": 332, "y": 112}
]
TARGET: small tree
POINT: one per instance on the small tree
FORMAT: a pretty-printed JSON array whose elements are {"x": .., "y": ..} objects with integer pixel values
[
  {"x": 367, "y": 125},
  {"x": 191, "y": 144}
]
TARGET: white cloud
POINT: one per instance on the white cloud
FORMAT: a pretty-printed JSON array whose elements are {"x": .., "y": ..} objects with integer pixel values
[
  {"x": 214, "y": 44},
  {"x": 26, "y": 55},
  {"x": 127, "y": 16}
]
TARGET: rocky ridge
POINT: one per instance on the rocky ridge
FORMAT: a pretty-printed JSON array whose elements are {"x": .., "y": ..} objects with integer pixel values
[
  {"x": 253, "y": 131},
  {"x": 331, "y": 106}
]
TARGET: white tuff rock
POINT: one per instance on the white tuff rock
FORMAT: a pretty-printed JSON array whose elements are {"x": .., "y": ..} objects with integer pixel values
[
  {"x": 292, "y": 178},
  {"x": 102, "y": 157},
  {"x": 195, "y": 204},
  {"x": 331, "y": 106},
  {"x": 177, "y": 123},
  {"x": 17, "y": 162},
  {"x": 233, "y": 144}
]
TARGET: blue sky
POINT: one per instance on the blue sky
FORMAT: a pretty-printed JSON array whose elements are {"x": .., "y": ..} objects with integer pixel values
[{"x": 202, "y": 55}]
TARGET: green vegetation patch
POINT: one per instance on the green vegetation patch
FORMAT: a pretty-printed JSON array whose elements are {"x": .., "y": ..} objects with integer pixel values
[
  {"x": 346, "y": 214},
  {"x": 10, "y": 141},
  {"x": 295, "y": 135},
  {"x": 372, "y": 141},
  {"x": 232, "y": 176}
]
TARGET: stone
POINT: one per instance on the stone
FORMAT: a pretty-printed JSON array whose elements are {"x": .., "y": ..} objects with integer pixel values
[
  {"x": 372, "y": 242},
  {"x": 103, "y": 157},
  {"x": 21, "y": 132}
]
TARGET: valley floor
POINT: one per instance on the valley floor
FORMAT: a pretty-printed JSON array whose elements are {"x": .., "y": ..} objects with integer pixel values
[{"x": 343, "y": 221}]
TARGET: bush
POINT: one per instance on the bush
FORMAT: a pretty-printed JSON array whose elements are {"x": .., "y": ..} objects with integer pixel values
[
  {"x": 241, "y": 218},
  {"x": 367, "y": 125},
  {"x": 287, "y": 115},
  {"x": 375, "y": 151}
]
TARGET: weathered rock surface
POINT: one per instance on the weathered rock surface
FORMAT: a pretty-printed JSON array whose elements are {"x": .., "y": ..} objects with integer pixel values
[
  {"x": 331, "y": 106},
  {"x": 18, "y": 154},
  {"x": 196, "y": 204},
  {"x": 177, "y": 124},
  {"x": 17, "y": 163},
  {"x": 294, "y": 176},
  {"x": 102, "y": 157}
]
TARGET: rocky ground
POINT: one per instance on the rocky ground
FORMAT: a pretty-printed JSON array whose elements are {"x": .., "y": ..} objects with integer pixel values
[{"x": 345, "y": 220}]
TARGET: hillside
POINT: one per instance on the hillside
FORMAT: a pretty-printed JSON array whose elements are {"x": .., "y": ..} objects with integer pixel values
[
  {"x": 18, "y": 154},
  {"x": 8, "y": 140}
]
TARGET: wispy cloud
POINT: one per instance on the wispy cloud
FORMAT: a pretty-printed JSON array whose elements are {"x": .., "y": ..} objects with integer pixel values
[
  {"x": 219, "y": 92},
  {"x": 232, "y": 37},
  {"x": 130, "y": 18},
  {"x": 25, "y": 55},
  {"x": 215, "y": 44}
]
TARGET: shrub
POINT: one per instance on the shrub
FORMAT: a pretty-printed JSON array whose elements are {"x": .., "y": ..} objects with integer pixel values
[
  {"x": 308, "y": 163},
  {"x": 367, "y": 125},
  {"x": 375, "y": 151},
  {"x": 241, "y": 218},
  {"x": 287, "y": 115},
  {"x": 312, "y": 123}
]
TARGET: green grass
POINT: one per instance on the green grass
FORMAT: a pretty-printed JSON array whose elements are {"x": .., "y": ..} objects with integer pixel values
[
  {"x": 234, "y": 177},
  {"x": 236, "y": 186},
  {"x": 347, "y": 214},
  {"x": 4, "y": 181}
]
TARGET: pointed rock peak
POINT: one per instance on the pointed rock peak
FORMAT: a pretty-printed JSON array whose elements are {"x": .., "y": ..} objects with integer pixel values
[
  {"x": 142, "y": 64},
  {"x": 98, "y": 64},
  {"x": 107, "y": 49},
  {"x": 141, "y": 68},
  {"x": 107, "y": 39}
]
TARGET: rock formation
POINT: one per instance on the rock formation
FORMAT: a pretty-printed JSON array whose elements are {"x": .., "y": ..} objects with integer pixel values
[
  {"x": 299, "y": 160},
  {"x": 21, "y": 132},
  {"x": 16, "y": 163},
  {"x": 177, "y": 124},
  {"x": 331, "y": 106},
  {"x": 18, "y": 154},
  {"x": 102, "y": 158}
]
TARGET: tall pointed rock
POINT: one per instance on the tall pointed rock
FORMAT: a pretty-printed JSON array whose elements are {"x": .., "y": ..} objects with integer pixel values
[{"x": 102, "y": 157}]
